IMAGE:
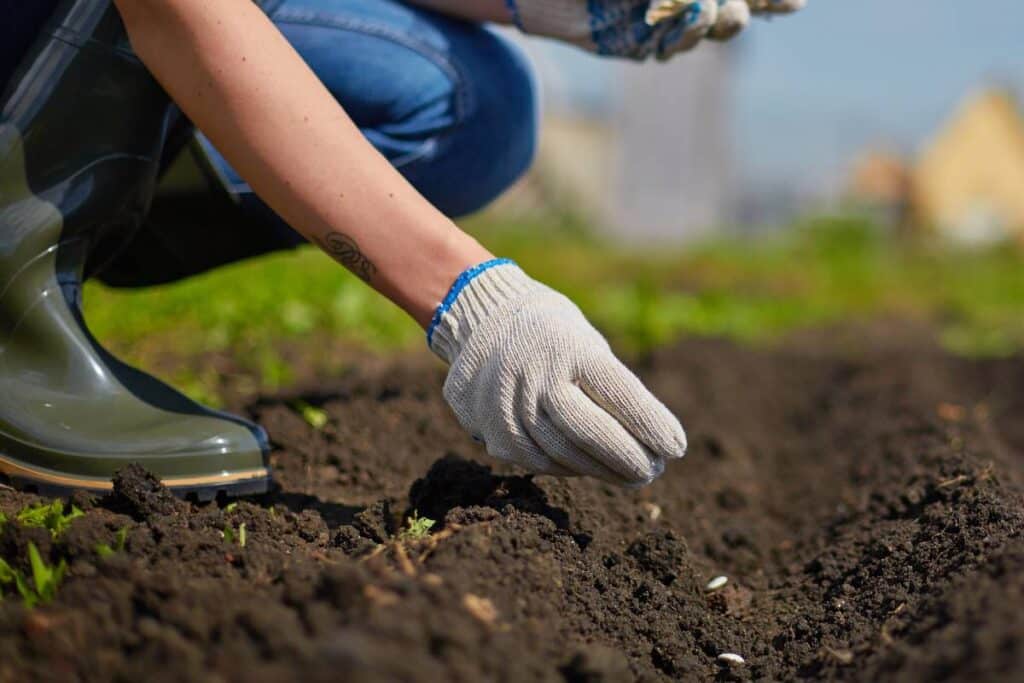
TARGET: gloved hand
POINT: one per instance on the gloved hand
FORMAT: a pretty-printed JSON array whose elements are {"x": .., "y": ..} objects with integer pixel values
[
  {"x": 533, "y": 380},
  {"x": 638, "y": 29},
  {"x": 617, "y": 28}
]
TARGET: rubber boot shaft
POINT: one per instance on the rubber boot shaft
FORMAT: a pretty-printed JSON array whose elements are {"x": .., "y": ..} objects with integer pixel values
[{"x": 82, "y": 125}]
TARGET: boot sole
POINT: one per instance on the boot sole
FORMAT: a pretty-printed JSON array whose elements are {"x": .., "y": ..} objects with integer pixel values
[{"x": 202, "y": 489}]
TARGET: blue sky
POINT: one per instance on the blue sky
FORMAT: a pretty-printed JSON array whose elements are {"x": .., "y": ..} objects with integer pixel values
[{"x": 814, "y": 88}]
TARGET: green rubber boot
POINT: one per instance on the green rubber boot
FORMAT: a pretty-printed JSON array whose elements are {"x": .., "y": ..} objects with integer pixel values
[{"x": 81, "y": 129}]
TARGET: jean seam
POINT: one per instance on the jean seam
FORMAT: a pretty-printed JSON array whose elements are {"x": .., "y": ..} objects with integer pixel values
[
  {"x": 425, "y": 150},
  {"x": 268, "y": 6},
  {"x": 463, "y": 94}
]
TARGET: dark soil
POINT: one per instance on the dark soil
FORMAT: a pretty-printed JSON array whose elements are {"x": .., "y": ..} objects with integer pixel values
[{"x": 865, "y": 506}]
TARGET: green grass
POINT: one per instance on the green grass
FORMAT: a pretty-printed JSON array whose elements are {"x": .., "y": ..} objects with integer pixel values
[
  {"x": 45, "y": 580},
  {"x": 416, "y": 528},
  {"x": 316, "y": 418},
  {"x": 821, "y": 272},
  {"x": 231, "y": 535},
  {"x": 49, "y": 516},
  {"x": 106, "y": 550}
]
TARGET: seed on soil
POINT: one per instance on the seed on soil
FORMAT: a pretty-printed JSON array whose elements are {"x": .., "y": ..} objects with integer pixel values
[
  {"x": 716, "y": 583},
  {"x": 653, "y": 511},
  {"x": 581, "y": 584},
  {"x": 731, "y": 659},
  {"x": 843, "y": 657}
]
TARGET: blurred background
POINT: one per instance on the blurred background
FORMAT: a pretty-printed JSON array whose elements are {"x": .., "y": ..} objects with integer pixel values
[
  {"x": 858, "y": 161},
  {"x": 906, "y": 109}
]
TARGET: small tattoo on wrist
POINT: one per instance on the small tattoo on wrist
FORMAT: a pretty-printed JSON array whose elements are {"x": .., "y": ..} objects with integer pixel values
[{"x": 346, "y": 252}]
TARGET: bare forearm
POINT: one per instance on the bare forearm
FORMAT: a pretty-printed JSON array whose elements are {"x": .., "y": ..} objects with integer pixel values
[{"x": 239, "y": 80}]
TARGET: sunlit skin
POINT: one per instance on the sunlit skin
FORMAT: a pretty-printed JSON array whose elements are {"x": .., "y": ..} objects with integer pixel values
[{"x": 237, "y": 78}]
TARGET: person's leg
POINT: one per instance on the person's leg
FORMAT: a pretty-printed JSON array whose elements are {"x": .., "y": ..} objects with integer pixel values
[
  {"x": 71, "y": 414},
  {"x": 451, "y": 104}
]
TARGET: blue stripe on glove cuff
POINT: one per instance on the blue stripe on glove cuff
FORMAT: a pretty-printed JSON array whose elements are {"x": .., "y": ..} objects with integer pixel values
[{"x": 460, "y": 283}]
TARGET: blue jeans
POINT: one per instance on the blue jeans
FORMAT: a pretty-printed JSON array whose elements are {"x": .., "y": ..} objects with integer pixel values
[{"x": 451, "y": 104}]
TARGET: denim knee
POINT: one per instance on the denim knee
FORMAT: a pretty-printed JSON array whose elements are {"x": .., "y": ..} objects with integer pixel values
[
  {"x": 451, "y": 104},
  {"x": 493, "y": 122},
  {"x": 493, "y": 139}
]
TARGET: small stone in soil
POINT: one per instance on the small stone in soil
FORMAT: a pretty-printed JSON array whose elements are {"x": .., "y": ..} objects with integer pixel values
[
  {"x": 653, "y": 511},
  {"x": 716, "y": 583},
  {"x": 731, "y": 659}
]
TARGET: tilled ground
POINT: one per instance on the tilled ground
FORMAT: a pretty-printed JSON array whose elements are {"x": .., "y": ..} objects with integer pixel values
[{"x": 864, "y": 505}]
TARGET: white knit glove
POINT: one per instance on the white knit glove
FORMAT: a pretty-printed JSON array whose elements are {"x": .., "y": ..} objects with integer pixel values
[
  {"x": 776, "y": 6},
  {"x": 536, "y": 383},
  {"x": 617, "y": 28},
  {"x": 639, "y": 29}
]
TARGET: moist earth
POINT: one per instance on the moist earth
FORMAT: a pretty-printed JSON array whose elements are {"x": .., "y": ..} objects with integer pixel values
[{"x": 861, "y": 493}]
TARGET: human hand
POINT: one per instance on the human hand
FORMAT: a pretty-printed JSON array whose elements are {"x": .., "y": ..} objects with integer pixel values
[
  {"x": 731, "y": 16},
  {"x": 618, "y": 28},
  {"x": 540, "y": 387},
  {"x": 639, "y": 29}
]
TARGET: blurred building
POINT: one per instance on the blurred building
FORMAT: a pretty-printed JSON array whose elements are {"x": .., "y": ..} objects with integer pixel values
[
  {"x": 673, "y": 172},
  {"x": 880, "y": 185},
  {"x": 642, "y": 150},
  {"x": 969, "y": 182}
]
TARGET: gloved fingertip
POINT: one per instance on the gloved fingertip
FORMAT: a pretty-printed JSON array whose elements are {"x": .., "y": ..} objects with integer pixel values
[
  {"x": 655, "y": 468},
  {"x": 682, "y": 444},
  {"x": 676, "y": 452},
  {"x": 669, "y": 447},
  {"x": 733, "y": 17},
  {"x": 672, "y": 442}
]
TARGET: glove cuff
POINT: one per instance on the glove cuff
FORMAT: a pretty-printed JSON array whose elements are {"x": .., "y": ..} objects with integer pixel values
[{"x": 477, "y": 294}]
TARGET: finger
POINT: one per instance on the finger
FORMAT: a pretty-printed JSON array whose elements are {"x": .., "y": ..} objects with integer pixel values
[
  {"x": 506, "y": 439},
  {"x": 612, "y": 386},
  {"x": 566, "y": 453},
  {"x": 522, "y": 451},
  {"x": 660, "y": 10},
  {"x": 733, "y": 17},
  {"x": 600, "y": 435},
  {"x": 687, "y": 29},
  {"x": 776, "y": 6}
]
